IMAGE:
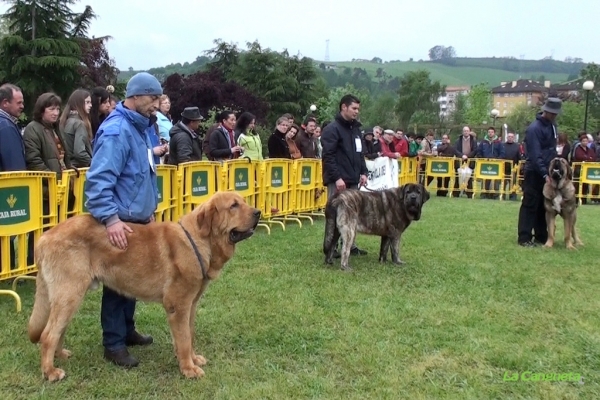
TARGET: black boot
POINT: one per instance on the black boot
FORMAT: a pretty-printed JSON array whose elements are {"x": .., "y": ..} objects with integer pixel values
[{"x": 121, "y": 358}]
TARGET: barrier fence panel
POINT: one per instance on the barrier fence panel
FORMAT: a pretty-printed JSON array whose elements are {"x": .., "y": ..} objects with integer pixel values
[
  {"x": 412, "y": 170},
  {"x": 241, "y": 176},
  {"x": 65, "y": 192},
  {"x": 168, "y": 192},
  {"x": 28, "y": 206},
  {"x": 321, "y": 192},
  {"x": 587, "y": 181},
  {"x": 278, "y": 188},
  {"x": 443, "y": 169},
  {"x": 304, "y": 176},
  {"x": 491, "y": 173},
  {"x": 197, "y": 180}
]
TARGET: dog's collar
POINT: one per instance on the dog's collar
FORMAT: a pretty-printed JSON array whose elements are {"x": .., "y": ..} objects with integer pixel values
[{"x": 202, "y": 267}]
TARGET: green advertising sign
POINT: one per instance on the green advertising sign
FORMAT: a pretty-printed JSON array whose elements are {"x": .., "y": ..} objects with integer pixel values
[
  {"x": 241, "y": 179},
  {"x": 159, "y": 184},
  {"x": 490, "y": 169},
  {"x": 440, "y": 167},
  {"x": 277, "y": 177},
  {"x": 199, "y": 183},
  {"x": 14, "y": 205},
  {"x": 593, "y": 174},
  {"x": 306, "y": 175}
]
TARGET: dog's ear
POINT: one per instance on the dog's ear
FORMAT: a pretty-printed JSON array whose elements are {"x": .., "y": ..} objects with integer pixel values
[
  {"x": 205, "y": 218},
  {"x": 424, "y": 195},
  {"x": 569, "y": 170},
  {"x": 404, "y": 190}
]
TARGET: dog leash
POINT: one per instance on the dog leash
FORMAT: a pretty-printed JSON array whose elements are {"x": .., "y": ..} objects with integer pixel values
[{"x": 202, "y": 267}]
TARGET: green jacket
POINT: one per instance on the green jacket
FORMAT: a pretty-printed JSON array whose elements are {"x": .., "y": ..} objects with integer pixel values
[
  {"x": 252, "y": 146},
  {"x": 78, "y": 148}
]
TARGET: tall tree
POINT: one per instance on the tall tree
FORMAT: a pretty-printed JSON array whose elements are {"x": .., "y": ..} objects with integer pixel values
[
  {"x": 478, "y": 105},
  {"x": 417, "y": 93},
  {"x": 42, "y": 51}
]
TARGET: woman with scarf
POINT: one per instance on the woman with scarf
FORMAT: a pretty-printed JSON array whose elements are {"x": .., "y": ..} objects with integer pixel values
[{"x": 222, "y": 141}]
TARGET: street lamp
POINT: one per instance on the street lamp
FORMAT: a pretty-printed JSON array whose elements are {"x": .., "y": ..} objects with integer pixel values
[
  {"x": 495, "y": 114},
  {"x": 588, "y": 86}
]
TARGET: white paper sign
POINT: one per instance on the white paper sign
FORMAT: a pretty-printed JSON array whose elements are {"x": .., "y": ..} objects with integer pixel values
[{"x": 383, "y": 174}]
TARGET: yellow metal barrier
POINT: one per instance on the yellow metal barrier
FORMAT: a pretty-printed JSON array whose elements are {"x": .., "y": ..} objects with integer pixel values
[
  {"x": 491, "y": 172},
  {"x": 587, "y": 181},
  {"x": 321, "y": 192},
  {"x": 412, "y": 174},
  {"x": 242, "y": 177},
  {"x": 278, "y": 191},
  {"x": 66, "y": 190},
  {"x": 444, "y": 169},
  {"x": 197, "y": 181},
  {"x": 304, "y": 175},
  {"x": 22, "y": 219},
  {"x": 168, "y": 192}
]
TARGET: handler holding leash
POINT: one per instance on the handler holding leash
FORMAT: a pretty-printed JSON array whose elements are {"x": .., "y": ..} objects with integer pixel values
[
  {"x": 121, "y": 187},
  {"x": 344, "y": 166},
  {"x": 540, "y": 139}
]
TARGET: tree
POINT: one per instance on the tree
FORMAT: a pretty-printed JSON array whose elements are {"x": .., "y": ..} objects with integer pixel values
[
  {"x": 417, "y": 93},
  {"x": 98, "y": 68},
  {"x": 460, "y": 109},
  {"x": 209, "y": 90},
  {"x": 520, "y": 117},
  {"x": 479, "y": 102},
  {"x": 43, "y": 48},
  {"x": 570, "y": 121},
  {"x": 328, "y": 106},
  {"x": 377, "y": 60},
  {"x": 592, "y": 72},
  {"x": 436, "y": 53},
  {"x": 448, "y": 52}
]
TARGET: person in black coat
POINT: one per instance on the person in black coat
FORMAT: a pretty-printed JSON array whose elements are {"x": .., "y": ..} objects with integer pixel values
[
  {"x": 540, "y": 138},
  {"x": 371, "y": 146},
  {"x": 277, "y": 145},
  {"x": 185, "y": 144},
  {"x": 344, "y": 166}
]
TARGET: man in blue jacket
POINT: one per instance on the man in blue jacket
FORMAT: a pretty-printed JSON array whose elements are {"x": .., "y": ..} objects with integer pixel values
[
  {"x": 540, "y": 139},
  {"x": 121, "y": 187}
]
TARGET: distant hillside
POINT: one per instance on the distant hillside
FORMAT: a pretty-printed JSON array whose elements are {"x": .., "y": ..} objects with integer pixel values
[{"x": 451, "y": 72}]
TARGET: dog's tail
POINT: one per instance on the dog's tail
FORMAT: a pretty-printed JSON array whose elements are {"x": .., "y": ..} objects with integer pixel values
[
  {"x": 41, "y": 306},
  {"x": 330, "y": 225}
]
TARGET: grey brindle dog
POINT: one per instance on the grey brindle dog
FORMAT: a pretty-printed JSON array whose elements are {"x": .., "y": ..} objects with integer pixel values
[{"x": 385, "y": 213}]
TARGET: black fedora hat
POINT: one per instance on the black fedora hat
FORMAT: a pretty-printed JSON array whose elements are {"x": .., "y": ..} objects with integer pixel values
[
  {"x": 192, "y": 113},
  {"x": 553, "y": 105}
]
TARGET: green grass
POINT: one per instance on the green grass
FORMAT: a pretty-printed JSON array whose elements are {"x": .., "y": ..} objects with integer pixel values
[
  {"x": 451, "y": 76},
  {"x": 469, "y": 306}
]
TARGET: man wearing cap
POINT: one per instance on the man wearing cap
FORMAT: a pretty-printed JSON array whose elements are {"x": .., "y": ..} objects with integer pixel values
[
  {"x": 540, "y": 139},
  {"x": 185, "y": 144},
  {"x": 121, "y": 187}
]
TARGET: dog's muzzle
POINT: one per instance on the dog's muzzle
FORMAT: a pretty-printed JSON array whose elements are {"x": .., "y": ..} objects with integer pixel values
[{"x": 556, "y": 174}]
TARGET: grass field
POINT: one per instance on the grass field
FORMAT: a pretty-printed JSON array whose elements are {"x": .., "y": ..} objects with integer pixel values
[
  {"x": 469, "y": 307},
  {"x": 452, "y": 76}
]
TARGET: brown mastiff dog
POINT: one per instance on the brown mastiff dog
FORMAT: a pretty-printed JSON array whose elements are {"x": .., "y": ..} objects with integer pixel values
[
  {"x": 559, "y": 199},
  {"x": 165, "y": 262}
]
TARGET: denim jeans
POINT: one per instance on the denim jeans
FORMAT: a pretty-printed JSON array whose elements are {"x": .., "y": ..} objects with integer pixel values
[{"x": 116, "y": 317}]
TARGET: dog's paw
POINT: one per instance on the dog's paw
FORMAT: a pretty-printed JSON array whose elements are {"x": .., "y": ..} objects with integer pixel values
[
  {"x": 63, "y": 354},
  {"x": 328, "y": 261},
  {"x": 399, "y": 262},
  {"x": 548, "y": 244},
  {"x": 199, "y": 360},
  {"x": 55, "y": 375},
  {"x": 346, "y": 268},
  {"x": 193, "y": 372},
  {"x": 382, "y": 259},
  {"x": 571, "y": 247}
]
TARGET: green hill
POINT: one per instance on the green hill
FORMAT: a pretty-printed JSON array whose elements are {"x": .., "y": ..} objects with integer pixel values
[
  {"x": 450, "y": 72},
  {"x": 451, "y": 75}
]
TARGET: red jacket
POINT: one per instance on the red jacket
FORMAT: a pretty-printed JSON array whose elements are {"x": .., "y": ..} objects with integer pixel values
[
  {"x": 401, "y": 146},
  {"x": 385, "y": 150}
]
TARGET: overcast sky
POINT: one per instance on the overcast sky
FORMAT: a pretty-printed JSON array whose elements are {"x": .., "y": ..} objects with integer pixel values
[{"x": 152, "y": 33}]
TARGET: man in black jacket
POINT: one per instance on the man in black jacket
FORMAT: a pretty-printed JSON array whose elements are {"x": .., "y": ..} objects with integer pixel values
[
  {"x": 540, "y": 139},
  {"x": 185, "y": 144},
  {"x": 512, "y": 152},
  {"x": 344, "y": 165}
]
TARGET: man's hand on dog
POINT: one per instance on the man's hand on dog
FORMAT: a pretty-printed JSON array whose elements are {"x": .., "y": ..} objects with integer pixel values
[{"x": 116, "y": 234}]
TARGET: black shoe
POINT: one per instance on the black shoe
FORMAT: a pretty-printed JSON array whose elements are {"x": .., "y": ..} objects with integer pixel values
[
  {"x": 122, "y": 358},
  {"x": 529, "y": 243},
  {"x": 336, "y": 254},
  {"x": 137, "y": 339},
  {"x": 358, "y": 252}
]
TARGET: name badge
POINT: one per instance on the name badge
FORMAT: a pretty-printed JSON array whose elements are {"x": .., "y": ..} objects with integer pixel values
[
  {"x": 358, "y": 143},
  {"x": 151, "y": 160}
]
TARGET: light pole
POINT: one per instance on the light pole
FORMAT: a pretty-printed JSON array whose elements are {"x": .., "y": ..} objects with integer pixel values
[
  {"x": 588, "y": 86},
  {"x": 495, "y": 114}
]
